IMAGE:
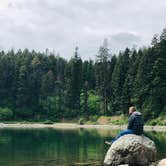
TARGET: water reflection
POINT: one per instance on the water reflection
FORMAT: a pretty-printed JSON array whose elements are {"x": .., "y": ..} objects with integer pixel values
[
  {"x": 160, "y": 140},
  {"x": 49, "y": 147}
]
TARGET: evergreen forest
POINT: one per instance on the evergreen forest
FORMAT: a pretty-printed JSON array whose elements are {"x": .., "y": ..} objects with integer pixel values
[{"x": 39, "y": 86}]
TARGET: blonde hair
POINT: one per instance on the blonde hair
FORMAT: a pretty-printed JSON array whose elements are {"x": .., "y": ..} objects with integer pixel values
[{"x": 132, "y": 109}]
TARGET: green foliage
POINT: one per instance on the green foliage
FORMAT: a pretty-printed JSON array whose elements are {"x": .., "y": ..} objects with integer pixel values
[
  {"x": 49, "y": 107},
  {"x": 102, "y": 71},
  {"x": 24, "y": 113},
  {"x": 93, "y": 118},
  {"x": 47, "y": 84},
  {"x": 120, "y": 121},
  {"x": 88, "y": 120},
  {"x": 161, "y": 120},
  {"x": 6, "y": 114},
  {"x": 48, "y": 122},
  {"x": 93, "y": 103},
  {"x": 39, "y": 86},
  {"x": 74, "y": 81},
  {"x": 120, "y": 99},
  {"x": 81, "y": 121}
]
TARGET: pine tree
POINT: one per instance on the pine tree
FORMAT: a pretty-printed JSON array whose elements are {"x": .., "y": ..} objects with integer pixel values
[
  {"x": 158, "y": 89},
  {"x": 85, "y": 98},
  {"x": 110, "y": 87},
  {"x": 74, "y": 84},
  {"x": 102, "y": 69},
  {"x": 143, "y": 83},
  {"x": 47, "y": 84},
  {"x": 35, "y": 84},
  {"x": 118, "y": 80}
]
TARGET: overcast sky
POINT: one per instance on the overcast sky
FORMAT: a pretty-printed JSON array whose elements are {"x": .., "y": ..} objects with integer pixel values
[{"x": 60, "y": 25}]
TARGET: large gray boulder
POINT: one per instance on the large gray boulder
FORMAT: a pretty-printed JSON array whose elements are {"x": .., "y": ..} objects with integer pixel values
[{"x": 131, "y": 149}]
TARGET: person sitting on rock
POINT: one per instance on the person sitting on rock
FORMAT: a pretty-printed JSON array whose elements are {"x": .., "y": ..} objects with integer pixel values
[{"x": 135, "y": 124}]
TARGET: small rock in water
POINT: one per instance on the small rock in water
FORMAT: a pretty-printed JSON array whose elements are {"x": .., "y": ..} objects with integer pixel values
[{"x": 131, "y": 149}]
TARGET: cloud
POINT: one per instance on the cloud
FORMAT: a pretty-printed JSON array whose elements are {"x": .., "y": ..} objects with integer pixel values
[
  {"x": 62, "y": 25},
  {"x": 122, "y": 40}
]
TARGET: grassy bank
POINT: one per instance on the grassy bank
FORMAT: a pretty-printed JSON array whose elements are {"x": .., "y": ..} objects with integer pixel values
[
  {"x": 93, "y": 120},
  {"x": 119, "y": 120},
  {"x": 161, "y": 121},
  {"x": 104, "y": 120}
]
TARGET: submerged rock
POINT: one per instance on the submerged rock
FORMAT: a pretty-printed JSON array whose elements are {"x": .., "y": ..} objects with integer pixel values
[{"x": 131, "y": 149}]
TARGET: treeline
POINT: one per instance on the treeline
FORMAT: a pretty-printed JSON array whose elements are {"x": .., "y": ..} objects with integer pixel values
[{"x": 40, "y": 86}]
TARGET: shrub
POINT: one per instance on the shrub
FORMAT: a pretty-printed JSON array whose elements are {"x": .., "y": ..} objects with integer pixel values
[
  {"x": 81, "y": 121},
  {"x": 93, "y": 103},
  {"x": 161, "y": 120},
  {"x": 152, "y": 122},
  {"x": 121, "y": 120},
  {"x": 48, "y": 122},
  {"x": 93, "y": 118},
  {"x": 6, "y": 114}
]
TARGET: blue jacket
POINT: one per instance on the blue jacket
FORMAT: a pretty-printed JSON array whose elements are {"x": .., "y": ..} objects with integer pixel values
[{"x": 136, "y": 123}]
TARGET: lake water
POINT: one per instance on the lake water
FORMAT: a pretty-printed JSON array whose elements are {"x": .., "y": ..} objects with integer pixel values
[{"x": 50, "y": 147}]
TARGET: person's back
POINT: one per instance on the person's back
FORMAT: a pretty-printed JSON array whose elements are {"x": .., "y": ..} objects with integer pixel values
[{"x": 136, "y": 123}]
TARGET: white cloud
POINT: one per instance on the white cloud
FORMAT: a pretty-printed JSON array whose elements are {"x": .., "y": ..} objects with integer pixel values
[{"x": 61, "y": 25}]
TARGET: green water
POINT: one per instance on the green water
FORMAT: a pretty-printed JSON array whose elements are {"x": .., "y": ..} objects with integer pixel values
[{"x": 49, "y": 147}]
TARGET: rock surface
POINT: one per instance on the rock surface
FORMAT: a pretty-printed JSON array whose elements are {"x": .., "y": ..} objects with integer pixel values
[
  {"x": 131, "y": 149},
  {"x": 162, "y": 162}
]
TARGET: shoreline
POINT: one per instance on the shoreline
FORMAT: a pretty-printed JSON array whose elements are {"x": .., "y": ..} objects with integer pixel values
[{"x": 75, "y": 126}]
